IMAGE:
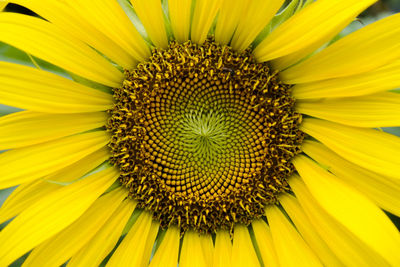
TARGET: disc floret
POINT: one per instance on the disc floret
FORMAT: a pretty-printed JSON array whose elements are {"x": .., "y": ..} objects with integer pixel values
[{"x": 203, "y": 136}]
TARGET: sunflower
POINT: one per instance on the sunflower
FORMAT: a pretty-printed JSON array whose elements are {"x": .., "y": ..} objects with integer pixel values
[{"x": 200, "y": 133}]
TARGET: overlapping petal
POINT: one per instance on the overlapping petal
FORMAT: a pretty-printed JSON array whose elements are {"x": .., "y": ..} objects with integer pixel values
[
  {"x": 43, "y": 91},
  {"x": 43, "y": 159},
  {"x": 353, "y": 210},
  {"x": 44, "y": 40},
  {"x": 28, "y": 128},
  {"x": 151, "y": 15},
  {"x": 67, "y": 19},
  {"x": 371, "y": 149},
  {"x": 59, "y": 248},
  {"x": 52, "y": 214},
  {"x": 308, "y": 30},
  {"x": 367, "y": 49},
  {"x": 378, "y": 80},
  {"x": 372, "y": 111}
]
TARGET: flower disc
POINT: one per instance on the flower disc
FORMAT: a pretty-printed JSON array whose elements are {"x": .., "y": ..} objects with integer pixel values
[{"x": 203, "y": 136}]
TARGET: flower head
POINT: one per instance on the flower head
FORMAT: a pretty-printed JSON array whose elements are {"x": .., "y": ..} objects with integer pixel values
[{"x": 200, "y": 133}]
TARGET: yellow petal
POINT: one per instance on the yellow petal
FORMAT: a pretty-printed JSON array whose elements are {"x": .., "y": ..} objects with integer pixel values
[
  {"x": 179, "y": 14},
  {"x": 228, "y": 19},
  {"x": 254, "y": 17},
  {"x": 151, "y": 15},
  {"x": 364, "y": 50},
  {"x": 133, "y": 250},
  {"x": 207, "y": 245},
  {"x": 27, "y": 128},
  {"x": 51, "y": 214},
  {"x": 307, "y": 231},
  {"x": 223, "y": 249},
  {"x": 203, "y": 17},
  {"x": 243, "y": 252},
  {"x": 30, "y": 163},
  {"x": 2, "y": 5},
  {"x": 150, "y": 241},
  {"x": 353, "y": 210},
  {"x": 192, "y": 254},
  {"x": 381, "y": 190},
  {"x": 93, "y": 253},
  {"x": 76, "y": 170},
  {"x": 24, "y": 196},
  {"x": 348, "y": 248},
  {"x": 379, "y": 80},
  {"x": 44, "y": 40},
  {"x": 262, "y": 233},
  {"x": 372, "y": 111},
  {"x": 37, "y": 90},
  {"x": 27, "y": 194},
  {"x": 167, "y": 253},
  {"x": 59, "y": 248},
  {"x": 109, "y": 18},
  {"x": 290, "y": 246},
  {"x": 310, "y": 28},
  {"x": 63, "y": 16},
  {"x": 372, "y": 149}
]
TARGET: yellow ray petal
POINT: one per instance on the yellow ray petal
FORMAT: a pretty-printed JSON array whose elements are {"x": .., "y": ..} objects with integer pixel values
[
  {"x": 192, "y": 254},
  {"x": 76, "y": 170},
  {"x": 311, "y": 27},
  {"x": 30, "y": 163},
  {"x": 364, "y": 50},
  {"x": 24, "y": 196},
  {"x": 372, "y": 149},
  {"x": 372, "y": 111},
  {"x": 2, "y": 5},
  {"x": 109, "y": 18},
  {"x": 51, "y": 214},
  {"x": 167, "y": 253},
  {"x": 151, "y": 15},
  {"x": 37, "y": 90},
  {"x": 228, "y": 19},
  {"x": 93, "y": 253},
  {"x": 207, "y": 245},
  {"x": 44, "y": 40},
  {"x": 243, "y": 252},
  {"x": 379, "y": 80},
  {"x": 179, "y": 13},
  {"x": 349, "y": 249},
  {"x": 352, "y": 209},
  {"x": 27, "y": 128},
  {"x": 307, "y": 231},
  {"x": 290, "y": 246},
  {"x": 149, "y": 245},
  {"x": 254, "y": 17},
  {"x": 133, "y": 250},
  {"x": 203, "y": 17},
  {"x": 223, "y": 249},
  {"x": 27, "y": 194},
  {"x": 71, "y": 22},
  {"x": 59, "y": 248},
  {"x": 262, "y": 233},
  {"x": 382, "y": 190}
]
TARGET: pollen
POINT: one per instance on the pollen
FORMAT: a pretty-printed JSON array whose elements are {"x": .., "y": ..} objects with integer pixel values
[{"x": 203, "y": 136}]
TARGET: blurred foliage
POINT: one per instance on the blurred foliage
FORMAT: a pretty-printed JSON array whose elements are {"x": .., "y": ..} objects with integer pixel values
[{"x": 383, "y": 6}]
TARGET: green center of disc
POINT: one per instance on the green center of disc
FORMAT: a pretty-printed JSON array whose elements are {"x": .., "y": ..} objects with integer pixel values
[{"x": 203, "y": 136}]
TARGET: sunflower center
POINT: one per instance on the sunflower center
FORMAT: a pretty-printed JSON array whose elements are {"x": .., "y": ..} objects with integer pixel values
[{"x": 203, "y": 136}]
